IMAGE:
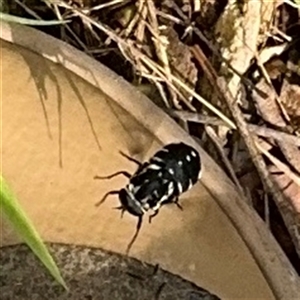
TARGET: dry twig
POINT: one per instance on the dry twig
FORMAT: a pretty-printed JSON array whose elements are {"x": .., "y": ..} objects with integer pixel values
[{"x": 259, "y": 130}]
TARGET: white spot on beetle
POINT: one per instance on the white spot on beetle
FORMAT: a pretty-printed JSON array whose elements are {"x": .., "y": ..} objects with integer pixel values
[
  {"x": 154, "y": 167},
  {"x": 193, "y": 153},
  {"x": 161, "y": 200},
  {"x": 170, "y": 188},
  {"x": 157, "y": 206},
  {"x": 171, "y": 171},
  {"x": 200, "y": 174},
  {"x": 180, "y": 163},
  {"x": 158, "y": 159},
  {"x": 190, "y": 184},
  {"x": 188, "y": 158},
  {"x": 130, "y": 187},
  {"x": 146, "y": 206},
  {"x": 179, "y": 186}
]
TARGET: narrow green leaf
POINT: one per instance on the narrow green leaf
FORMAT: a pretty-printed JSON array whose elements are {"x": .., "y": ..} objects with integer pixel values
[
  {"x": 25, "y": 228},
  {"x": 31, "y": 22}
]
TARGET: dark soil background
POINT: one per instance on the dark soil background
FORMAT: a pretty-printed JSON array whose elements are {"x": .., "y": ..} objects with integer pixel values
[{"x": 90, "y": 274}]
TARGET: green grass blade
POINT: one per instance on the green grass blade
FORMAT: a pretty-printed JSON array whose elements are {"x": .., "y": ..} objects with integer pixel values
[
  {"x": 24, "y": 227},
  {"x": 31, "y": 22}
]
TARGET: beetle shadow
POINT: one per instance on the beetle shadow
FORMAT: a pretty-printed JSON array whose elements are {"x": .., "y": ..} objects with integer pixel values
[
  {"x": 40, "y": 73},
  {"x": 83, "y": 104}
]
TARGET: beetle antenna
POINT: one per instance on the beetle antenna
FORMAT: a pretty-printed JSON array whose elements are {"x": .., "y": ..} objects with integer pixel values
[
  {"x": 138, "y": 227},
  {"x": 105, "y": 196}
]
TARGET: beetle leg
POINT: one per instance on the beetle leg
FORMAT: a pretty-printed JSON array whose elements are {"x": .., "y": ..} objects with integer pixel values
[
  {"x": 153, "y": 215},
  {"x": 177, "y": 204},
  {"x": 138, "y": 227},
  {"x": 105, "y": 196},
  {"x": 124, "y": 173},
  {"x": 131, "y": 158},
  {"x": 120, "y": 208}
]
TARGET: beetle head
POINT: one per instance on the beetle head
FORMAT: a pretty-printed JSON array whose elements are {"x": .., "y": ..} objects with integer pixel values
[{"x": 129, "y": 203}]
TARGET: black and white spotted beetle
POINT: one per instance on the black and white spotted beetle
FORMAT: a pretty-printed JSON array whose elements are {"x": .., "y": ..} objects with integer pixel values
[{"x": 171, "y": 171}]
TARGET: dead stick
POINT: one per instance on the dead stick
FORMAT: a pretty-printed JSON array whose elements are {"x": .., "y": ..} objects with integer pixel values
[{"x": 259, "y": 130}]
